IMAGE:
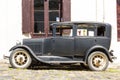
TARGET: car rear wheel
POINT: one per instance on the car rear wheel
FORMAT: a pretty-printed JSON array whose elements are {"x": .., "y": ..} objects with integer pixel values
[
  {"x": 98, "y": 61},
  {"x": 20, "y": 58}
]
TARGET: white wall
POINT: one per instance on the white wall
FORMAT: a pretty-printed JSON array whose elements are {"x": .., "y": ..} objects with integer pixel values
[
  {"x": 10, "y": 23},
  {"x": 3, "y": 24},
  {"x": 110, "y": 17},
  {"x": 83, "y": 10}
]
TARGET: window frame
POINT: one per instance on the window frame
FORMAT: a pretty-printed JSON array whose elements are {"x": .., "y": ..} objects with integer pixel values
[
  {"x": 28, "y": 17},
  {"x": 118, "y": 19}
]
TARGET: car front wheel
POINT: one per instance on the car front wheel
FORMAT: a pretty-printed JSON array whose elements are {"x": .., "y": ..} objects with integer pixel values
[
  {"x": 98, "y": 61},
  {"x": 20, "y": 58}
]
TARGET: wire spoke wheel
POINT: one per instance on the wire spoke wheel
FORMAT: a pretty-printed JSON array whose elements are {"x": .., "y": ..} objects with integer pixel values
[
  {"x": 98, "y": 61},
  {"x": 20, "y": 58}
]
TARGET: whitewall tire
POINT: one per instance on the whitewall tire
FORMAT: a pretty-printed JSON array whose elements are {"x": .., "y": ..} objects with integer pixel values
[
  {"x": 98, "y": 61},
  {"x": 20, "y": 58}
]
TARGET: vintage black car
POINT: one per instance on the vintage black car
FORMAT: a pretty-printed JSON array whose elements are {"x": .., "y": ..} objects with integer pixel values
[{"x": 86, "y": 43}]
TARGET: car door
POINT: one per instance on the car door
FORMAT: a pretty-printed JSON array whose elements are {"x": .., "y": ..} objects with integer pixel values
[
  {"x": 84, "y": 40},
  {"x": 63, "y": 46}
]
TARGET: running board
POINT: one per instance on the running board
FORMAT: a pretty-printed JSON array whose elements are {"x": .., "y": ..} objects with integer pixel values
[{"x": 58, "y": 59}]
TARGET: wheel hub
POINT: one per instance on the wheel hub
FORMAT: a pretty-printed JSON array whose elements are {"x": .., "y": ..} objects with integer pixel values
[
  {"x": 98, "y": 61},
  {"x": 20, "y": 58}
]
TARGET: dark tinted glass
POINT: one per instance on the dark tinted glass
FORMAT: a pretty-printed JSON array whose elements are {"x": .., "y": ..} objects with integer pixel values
[
  {"x": 53, "y": 16},
  {"x": 39, "y": 27},
  {"x": 39, "y": 16},
  {"x": 39, "y": 4},
  {"x": 54, "y": 4}
]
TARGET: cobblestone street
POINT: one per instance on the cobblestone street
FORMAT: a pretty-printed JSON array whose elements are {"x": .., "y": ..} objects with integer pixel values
[{"x": 57, "y": 73}]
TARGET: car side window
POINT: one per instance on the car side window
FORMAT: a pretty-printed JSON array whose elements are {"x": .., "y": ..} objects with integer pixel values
[
  {"x": 85, "y": 30},
  {"x": 64, "y": 31},
  {"x": 101, "y": 31},
  {"x": 82, "y": 32}
]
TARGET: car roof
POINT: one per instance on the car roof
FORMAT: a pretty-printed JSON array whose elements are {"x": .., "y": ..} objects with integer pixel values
[{"x": 76, "y": 23}]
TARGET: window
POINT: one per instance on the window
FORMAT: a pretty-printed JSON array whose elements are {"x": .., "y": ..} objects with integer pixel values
[
  {"x": 82, "y": 32},
  {"x": 38, "y": 14},
  {"x": 54, "y": 14},
  {"x": 64, "y": 31},
  {"x": 101, "y": 31},
  {"x": 55, "y": 11},
  {"x": 85, "y": 30}
]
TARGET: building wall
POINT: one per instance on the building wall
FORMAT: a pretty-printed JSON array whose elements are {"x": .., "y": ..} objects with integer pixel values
[
  {"x": 3, "y": 25},
  {"x": 88, "y": 10},
  {"x": 98, "y": 10},
  {"x": 10, "y": 24}
]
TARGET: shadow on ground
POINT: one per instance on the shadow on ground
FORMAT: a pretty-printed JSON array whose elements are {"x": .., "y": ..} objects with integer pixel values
[{"x": 59, "y": 67}]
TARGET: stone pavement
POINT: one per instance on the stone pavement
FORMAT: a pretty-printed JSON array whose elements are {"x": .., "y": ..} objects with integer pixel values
[{"x": 57, "y": 73}]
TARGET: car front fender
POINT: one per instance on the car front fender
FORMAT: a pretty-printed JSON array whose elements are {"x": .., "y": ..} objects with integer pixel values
[
  {"x": 29, "y": 50},
  {"x": 23, "y": 47},
  {"x": 20, "y": 46}
]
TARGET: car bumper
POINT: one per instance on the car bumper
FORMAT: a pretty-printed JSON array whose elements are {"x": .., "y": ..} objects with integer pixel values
[{"x": 112, "y": 55}]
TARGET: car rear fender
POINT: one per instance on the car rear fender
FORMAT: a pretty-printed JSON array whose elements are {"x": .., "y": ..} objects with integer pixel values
[{"x": 98, "y": 48}]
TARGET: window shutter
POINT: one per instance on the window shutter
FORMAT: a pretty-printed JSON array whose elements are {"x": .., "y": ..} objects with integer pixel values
[
  {"x": 26, "y": 16},
  {"x": 66, "y": 10},
  {"x": 118, "y": 19}
]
